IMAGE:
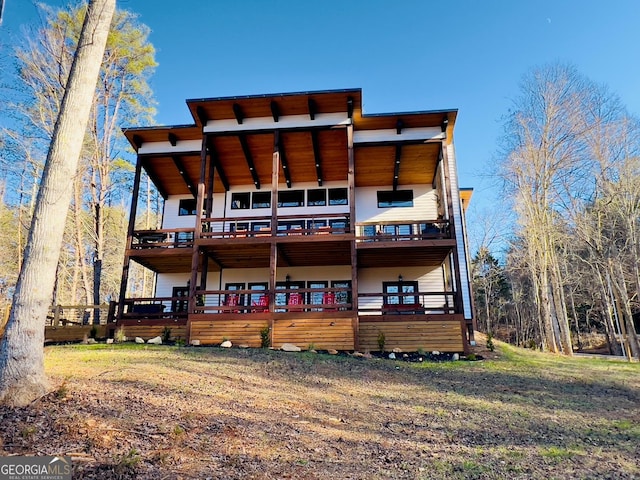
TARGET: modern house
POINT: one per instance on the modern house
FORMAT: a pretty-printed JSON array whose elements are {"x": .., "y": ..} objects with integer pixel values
[{"x": 296, "y": 218}]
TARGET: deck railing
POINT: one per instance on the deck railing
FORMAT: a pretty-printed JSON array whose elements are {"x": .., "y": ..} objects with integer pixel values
[
  {"x": 289, "y": 225},
  {"x": 402, "y": 230},
  {"x": 163, "y": 238},
  {"x": 283, "y": 300},
  {"x": 412, "y": 303},
  {"x": 155, "y": 308}
]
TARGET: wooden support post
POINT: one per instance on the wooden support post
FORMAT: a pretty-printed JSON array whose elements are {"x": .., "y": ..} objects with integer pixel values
[
  {"x": 130, "y": 228},
  {"x": 195, "y": 256},
  {"x": 352, "y": 228},
  {"x": 459, "y": 308},
  {"x": 273, "y": 258}
]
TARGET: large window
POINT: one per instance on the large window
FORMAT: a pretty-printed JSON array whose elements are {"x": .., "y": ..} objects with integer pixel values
[
  {"x": 187, "y": 206},
  {"x": 291, "y": 198},
  {"x": 338, "y": 196},
  {"x": 240, "y": 201},
  {"x": 398, "y": 198},
  {"x": 395, "y": 291},
  {"x": 261, "y": 200},
  {"x": 317, "y": 197}
]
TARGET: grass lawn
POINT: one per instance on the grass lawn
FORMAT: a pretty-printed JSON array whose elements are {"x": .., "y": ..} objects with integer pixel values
[{"x": 147, "y": 412}]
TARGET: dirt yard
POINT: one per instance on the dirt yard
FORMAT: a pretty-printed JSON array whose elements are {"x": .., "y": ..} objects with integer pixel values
[{"x": 147, "y": 412}]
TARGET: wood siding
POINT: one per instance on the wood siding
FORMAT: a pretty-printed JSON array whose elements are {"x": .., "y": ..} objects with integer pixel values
[
  {"x": 72, "y": 333},
  {"x": 150, "y": 331},
  {"x": 323, "y": 333},
  {"x": 213, "y": 331},
  {"x": 412, "y": 334}
]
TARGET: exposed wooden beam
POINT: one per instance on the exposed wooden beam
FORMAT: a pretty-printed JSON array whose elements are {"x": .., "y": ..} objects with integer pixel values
[
  {"x": 313, "y": 108},
  {"x": 163, "y": 193},
  {"x": 316, "y": 156},
  {"x": 183, "y": 173},
  {"x": 383, "y": 143},
  {"x": 396, "y": 167},
  {"x": 173, "y": 139},
  {"x": 237, "y": 111},
  {"x": 283, "y": 256},
  {"x": 249, "y": 158},
  {"x": 445, "y": 124},
  {"x": 202, "y": 115},
  {"x": 275, "y": 111},
  {"x": 264, "y": 131},
  {"x": 218, "y": 165},
  {"x": 350, "y": 107},
  {"x": 285, "y": 164}
]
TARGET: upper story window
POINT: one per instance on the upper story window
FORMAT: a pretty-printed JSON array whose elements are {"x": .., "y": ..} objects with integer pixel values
[
  {"x": 338, "y": 196},
  {"x": 398, "y": 198},
  {"x": 261, "y": 200},
  {"x": 240, "y": 201},
  {"x": 317, "y": 197},
  {"x": 187, "y": 206},
  {"x": 291, "y": 198}
]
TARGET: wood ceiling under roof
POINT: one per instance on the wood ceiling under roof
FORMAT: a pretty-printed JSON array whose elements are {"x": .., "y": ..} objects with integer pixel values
[{"x": 310, "y": 155}]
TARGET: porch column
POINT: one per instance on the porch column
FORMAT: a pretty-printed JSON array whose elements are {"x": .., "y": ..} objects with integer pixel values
[
  {"x": 273, "y": 258},
  {"x": 452, "y": 228},
  {"x": 195, "y": 256},
  {"x": 208, "y": 208},
  {"x": 352, "y": 228},
  {"x": 130, "y": 228}
]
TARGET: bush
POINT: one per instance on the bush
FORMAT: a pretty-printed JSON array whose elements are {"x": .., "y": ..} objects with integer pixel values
[
  {"x": 381, "y": 341},
  {"x": 166, "y": 335},
  {"x": 265, "y": 337},
  {"x": 490, "y": 344}
]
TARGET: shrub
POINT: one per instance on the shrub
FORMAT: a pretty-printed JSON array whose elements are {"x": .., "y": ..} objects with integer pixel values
[
  {"x": 166, "y": 335},
  {"x": 381, "y": 341},
  {"x": 93, "y": 332},
  {"x": 265, "y": 337},
  {"x": 490, "y": 344}
]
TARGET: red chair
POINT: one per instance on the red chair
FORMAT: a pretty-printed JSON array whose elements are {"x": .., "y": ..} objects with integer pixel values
[
  {"x": 329, "y": 298},
  {"x": 232, "y": 301},
  {"x": 295, "y": 299},
  {"x": 263, "y": 301}
]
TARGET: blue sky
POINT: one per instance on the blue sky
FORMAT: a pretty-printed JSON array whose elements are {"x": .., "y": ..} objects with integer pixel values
[{"x": 405, "y": 55}]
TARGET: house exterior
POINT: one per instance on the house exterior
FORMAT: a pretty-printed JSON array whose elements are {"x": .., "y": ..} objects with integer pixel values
[{"x": 296, "y": 218}]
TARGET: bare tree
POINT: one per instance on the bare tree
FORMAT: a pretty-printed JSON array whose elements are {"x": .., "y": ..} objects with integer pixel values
[{"x": 22, "y": 376}]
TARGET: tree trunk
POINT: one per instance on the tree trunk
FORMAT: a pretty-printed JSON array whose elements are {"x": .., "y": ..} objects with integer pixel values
[{"x": 22, "y": 376}]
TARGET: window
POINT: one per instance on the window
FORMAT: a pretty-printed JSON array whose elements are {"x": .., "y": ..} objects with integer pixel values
[
  {"x": 338, "y": 196},
  {"x": 316, "y": 298},
  {"x": 342, "y": 296},
  {"x": 338, "y": 226},
  {"x": 181, "y": 299},
  {"x": 261, "y": 200},
  {"x": 317, "y": 197},
  {"x": 187, "y": 206},
  {"x": 291, "y": 198},
  {"x": 400, "y": 288},
  {"x": 398, "y": 198},
  {"x": 230, "y": 299},
  {"x": 240, "y": 201}
]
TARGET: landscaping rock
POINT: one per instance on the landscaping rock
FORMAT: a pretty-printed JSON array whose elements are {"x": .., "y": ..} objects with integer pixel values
[
  {"x": 435, "y": 352},
  {"x": 243, "y": 346},
  {"x": 195, "y": 343},
  {"x": 455, "y": 357},
  {"x": 91, "y": 341},
  {"x": 109, "y": 341},
  {"x": 332, "y": 352},
  {"x": 226, "y": 344},
  {"x": 155, "y": 340},
  {"x": 397, "y": 350},
  {"x": 288, "y": 347},
  {"x": 358, "y": 355},
  {"x": 139, "y": 340},
  {"x": 392, "y": 356}
]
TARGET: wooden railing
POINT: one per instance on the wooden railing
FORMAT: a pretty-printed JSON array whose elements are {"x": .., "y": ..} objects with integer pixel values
[
  {"x": 412, "y": 303},
  {"x": 62, "y": 315},
  {"x": 280, "y": 300},
  {"x": 289, "y": 225},
  {"x": 155, "y": 308},
  {"x": 163, "y": 238},
  {"x": 402, "y": 230}
]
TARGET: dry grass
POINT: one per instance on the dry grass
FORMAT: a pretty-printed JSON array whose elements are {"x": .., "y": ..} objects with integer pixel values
[{"x": 165, "y": 412}]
